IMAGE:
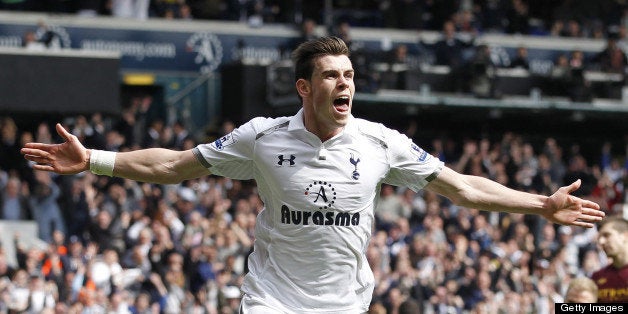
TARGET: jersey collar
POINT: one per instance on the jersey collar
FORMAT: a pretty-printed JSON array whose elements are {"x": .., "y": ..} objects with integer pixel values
[{"x": 296, "y": 123}]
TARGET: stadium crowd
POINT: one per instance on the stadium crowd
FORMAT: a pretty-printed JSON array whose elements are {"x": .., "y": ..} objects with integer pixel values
[
  {"x": 120, "y": 246},
  {"x": 472, "y": 64},
  {"x": 534, "y": 17}
]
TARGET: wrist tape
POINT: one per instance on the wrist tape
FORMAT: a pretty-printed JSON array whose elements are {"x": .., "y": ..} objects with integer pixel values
[{"x": 101, "y": 162}]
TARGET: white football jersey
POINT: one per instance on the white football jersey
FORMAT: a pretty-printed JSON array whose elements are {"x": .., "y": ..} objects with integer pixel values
[{"x": 319, "y": 198}]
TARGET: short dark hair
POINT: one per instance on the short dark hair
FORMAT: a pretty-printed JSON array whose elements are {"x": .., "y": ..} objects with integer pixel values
[
  {"x": 616, "y": 222},
  {"x": 304, "y": 56}
]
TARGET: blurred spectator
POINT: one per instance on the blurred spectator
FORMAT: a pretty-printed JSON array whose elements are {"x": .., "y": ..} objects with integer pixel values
[
  {"x": 106, "y": 231},
  {"x": 231, "y": 300},
  {"x": 43, "y": 202},
  {"x": 307, "y": 31},
  {"x": 114, "y": 140},
  {"x": 395, "y": 69},
  {"x": 142, "y": 304},
  {"x": 612, "y": 59},
  {"x": 521, "y": 59},
  {"x": 90, "y": 8},
  {"x": 9, "y": 145},
  {"x": 390, "y": 208},
  {"x": 343, "y": 31},
  {"x": 478, "y": 291},
  {"x": 450, "y": 51},
  {"x": 31, "y": 42},
  {"x": 608, "y": 193},
  {"x": 256, "y": 14},
  {"x": 481, "y": 232},
  {"x": 592, "y": 261},
  {"x": 153, "y": 133},
  {"x": 573, "y": 242},
  {"x": 6, "y": 271},
  {"x": 558, "y": 28},
  {"x": 466, "y": 22},
  {"x": 185, "y": 12},
  {"x": 444, "y": 300},
  {"x": 567, "y": 77},
  {"x": 573, "y": 29},
  {"x": 130, "y": 9},
  {"x": 518, "y": 18},
  {"x": 481, "y": 72},
  {"x": 18, "y": 292},
  {"x": 41, "y": 295},
  {"x": 78, "y": 202},
  {"x": 180, "y": 134},
  {"x": 560, "y": 76},
  {"x": 579, "y": 88},
  {"x": 127, "y": 126},
  {"x": 581, "y": 290},
  {"x": 547, "y": 244},
  {"x": 14, "y": 202},
  {"x": 578, "y": 169},
  {"x": 450, "y": 48}
]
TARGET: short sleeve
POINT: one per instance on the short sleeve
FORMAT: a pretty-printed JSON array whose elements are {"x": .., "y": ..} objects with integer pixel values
[
  {"x": 231, "y": 155},
  {"x": 410, "y": 165}
]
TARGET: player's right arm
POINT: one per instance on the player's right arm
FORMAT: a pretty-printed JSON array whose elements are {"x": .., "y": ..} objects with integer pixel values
[{"x": 156, "y": 165}]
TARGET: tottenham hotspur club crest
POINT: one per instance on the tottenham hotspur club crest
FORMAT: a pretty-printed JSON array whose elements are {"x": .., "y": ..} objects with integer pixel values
[{"x": 355, "y": 175}]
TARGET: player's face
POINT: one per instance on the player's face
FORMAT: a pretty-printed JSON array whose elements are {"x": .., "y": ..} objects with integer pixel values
[
  {"x": 612, "y": 242},
  {"x": 332, "y": 90}
]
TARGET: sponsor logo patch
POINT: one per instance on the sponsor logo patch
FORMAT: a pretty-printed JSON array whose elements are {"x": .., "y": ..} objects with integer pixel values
[
  {"x": 420, "y": 153},
  {"x": 224, "y": 141}
]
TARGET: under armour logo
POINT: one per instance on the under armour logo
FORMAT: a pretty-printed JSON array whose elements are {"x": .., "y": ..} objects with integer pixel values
[{"x": 282, "y": 159}]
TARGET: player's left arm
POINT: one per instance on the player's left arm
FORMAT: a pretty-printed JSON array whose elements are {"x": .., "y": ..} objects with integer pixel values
[{"x": 484, "y": 194}]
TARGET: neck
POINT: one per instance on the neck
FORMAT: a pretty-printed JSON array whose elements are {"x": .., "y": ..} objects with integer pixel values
[
  {"x": 620, "y": 260},
  {"x": 323, "y": 134},
  {"x": 322, "y": 131}
]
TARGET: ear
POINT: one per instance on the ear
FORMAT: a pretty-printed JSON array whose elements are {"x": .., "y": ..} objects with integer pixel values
[{"x": 303, "y": 87}]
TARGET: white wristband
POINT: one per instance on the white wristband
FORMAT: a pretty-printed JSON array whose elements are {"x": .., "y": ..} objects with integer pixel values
[{"x": 101, "y": 162}]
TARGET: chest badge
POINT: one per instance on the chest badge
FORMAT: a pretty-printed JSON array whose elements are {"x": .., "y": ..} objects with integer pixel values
[
  {"x": 355, "y": 175},
  {"x": 323, "y": 192}
]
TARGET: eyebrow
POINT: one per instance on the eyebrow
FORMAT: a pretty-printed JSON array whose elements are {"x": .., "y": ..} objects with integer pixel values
[{"x": 326, "y": 72}]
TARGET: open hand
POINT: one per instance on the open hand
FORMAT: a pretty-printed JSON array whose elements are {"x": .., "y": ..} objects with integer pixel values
[
  {"x": 566, "y": 209},
  {"x": 69, "y": 157}
]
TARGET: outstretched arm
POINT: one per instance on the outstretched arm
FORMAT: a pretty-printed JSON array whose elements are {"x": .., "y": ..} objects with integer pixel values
[
  {"x": 484, "y": 194},
  {"x": 156, "y": 165}
]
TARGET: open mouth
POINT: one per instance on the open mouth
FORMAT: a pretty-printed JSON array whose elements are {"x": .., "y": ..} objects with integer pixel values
[{"x": 342, "y": 103}]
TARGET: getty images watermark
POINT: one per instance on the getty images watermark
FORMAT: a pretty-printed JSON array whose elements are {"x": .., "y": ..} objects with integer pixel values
[{"x": 586, "y": 308}]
